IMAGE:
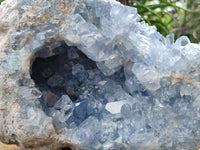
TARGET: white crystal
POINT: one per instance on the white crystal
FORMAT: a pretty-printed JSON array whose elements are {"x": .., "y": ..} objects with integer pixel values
[{"x": 115, "y": 107}]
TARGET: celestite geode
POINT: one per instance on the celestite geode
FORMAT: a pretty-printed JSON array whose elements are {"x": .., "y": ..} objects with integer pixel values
[{"x": 86, "y": 74}]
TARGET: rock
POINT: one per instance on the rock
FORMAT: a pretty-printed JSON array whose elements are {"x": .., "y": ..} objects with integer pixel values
[
  {"x": 51, "y": 99},
  {"x": 79, "y": 72},
  {"x": 71, "y": 86},
  {"x": 47, "y": 73},
  {"x": 72, "y": 53},
  {"x": 127, "y": 86},
  {"x": 56, "y": 81}
]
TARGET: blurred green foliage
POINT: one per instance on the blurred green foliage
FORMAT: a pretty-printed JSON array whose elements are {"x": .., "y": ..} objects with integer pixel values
[
  {"x": 156, "y": 14},
  {"x": 188, "y": 22},
  {"x": 169, "y": 17},
  {"x": 1, "y": 1}
]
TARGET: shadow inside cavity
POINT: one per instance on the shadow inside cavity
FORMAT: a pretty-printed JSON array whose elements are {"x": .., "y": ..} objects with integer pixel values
[
  {"x": 71, "y": 73},
  {"x": 54, "y": 74}
]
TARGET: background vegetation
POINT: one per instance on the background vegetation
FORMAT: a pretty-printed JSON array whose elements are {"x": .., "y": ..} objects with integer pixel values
[{"x": 181, "y": 17}]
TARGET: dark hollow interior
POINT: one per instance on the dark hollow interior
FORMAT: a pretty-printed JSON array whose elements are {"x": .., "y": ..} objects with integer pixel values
[{"x": 54, "y": 74}]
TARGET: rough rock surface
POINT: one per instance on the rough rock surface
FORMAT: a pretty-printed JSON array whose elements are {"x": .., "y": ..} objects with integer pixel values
[{"x": 142, "y": 93}]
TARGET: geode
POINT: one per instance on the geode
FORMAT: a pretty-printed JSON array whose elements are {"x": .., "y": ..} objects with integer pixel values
[{"x": 88, "y": 74}]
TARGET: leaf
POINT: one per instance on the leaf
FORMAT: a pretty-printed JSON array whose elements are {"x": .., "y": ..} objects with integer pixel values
[
  {"x": 167, "y": 19},
  {"x": 161, "y": 29},
  {"x": 141, "y": 8},
  {"x": 155, "y": 6}
]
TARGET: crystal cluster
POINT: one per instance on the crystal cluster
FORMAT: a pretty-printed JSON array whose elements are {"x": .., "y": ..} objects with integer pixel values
[
  {"x": 105, "y": 80},
  {"x": 118, "y": 112},
  {"x": 157, "y": 105}
]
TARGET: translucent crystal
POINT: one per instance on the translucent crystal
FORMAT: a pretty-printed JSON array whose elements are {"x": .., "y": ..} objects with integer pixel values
[
  {"x": 115, "y": 107},
  {"x": 156, "y": 105},
  {"x": 136, "y": 90},
  {"x": 170, "y": 39},
  {"x": 112, "y": 64}
]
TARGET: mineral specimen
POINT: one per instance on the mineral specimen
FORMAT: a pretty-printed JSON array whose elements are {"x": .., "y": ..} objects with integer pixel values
[{"x": 87, "y": 74}]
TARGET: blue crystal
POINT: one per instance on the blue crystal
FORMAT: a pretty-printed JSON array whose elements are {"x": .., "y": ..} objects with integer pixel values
[{"x": 80, "y": 112}]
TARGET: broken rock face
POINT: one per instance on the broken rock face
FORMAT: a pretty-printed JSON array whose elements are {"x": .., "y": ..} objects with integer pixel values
[{"x": 86, "y": 74}]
